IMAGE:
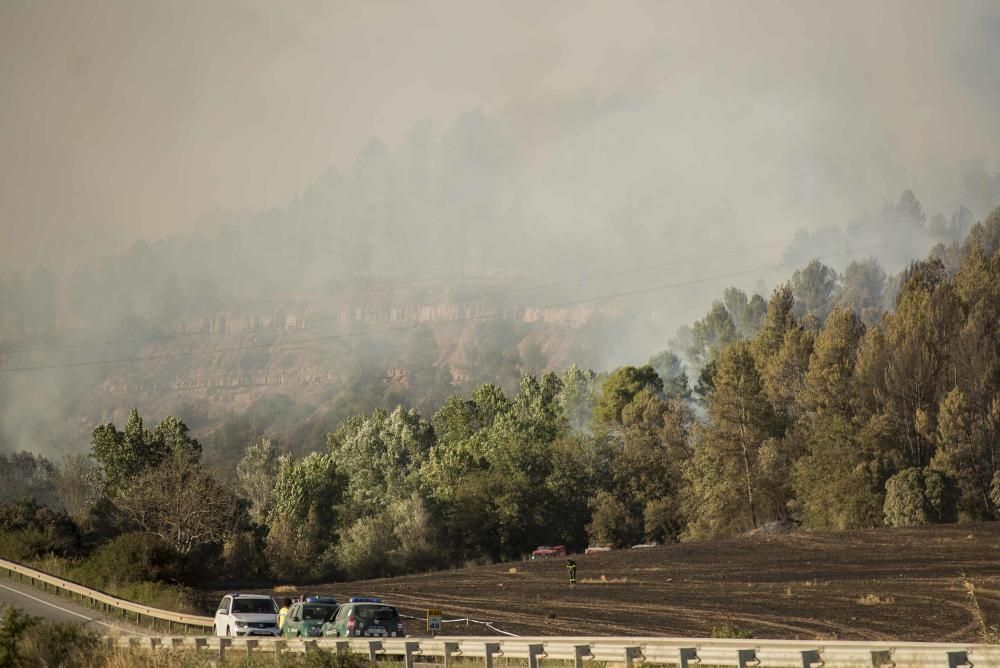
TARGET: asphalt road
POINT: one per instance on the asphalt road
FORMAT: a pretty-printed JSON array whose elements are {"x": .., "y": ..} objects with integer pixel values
[{"x": 53, "y": 608}]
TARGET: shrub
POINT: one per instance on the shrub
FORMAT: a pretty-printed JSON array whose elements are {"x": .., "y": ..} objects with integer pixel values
[
  {"x": 364, "y": 548},
  {"x": 918, "y": 496},
  {"x": 728, "y": 630},
  {"x": 133, "y": 557},
  {"x": 13, "y": 625},
  {"x": 28, "y": 530},
  {"x": 613, "y": 523}
]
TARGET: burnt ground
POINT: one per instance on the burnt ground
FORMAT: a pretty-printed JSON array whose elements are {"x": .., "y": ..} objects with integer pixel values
[{"x": 877, "y": 584}]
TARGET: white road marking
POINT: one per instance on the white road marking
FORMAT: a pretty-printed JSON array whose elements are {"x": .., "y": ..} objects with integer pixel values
[{"x": 72, "y": 612}]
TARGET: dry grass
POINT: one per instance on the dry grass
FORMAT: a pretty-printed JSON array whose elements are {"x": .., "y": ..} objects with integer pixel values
[
  {"x": 875, "y": 599},
  {"x": 286, "y": 589},
  {"x": 987, "y": 634}
]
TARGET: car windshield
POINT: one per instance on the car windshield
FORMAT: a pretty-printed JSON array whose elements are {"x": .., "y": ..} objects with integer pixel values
[
  {"x": 317, "y": 612},
  {"x": 377, "y": 612},
  {"x": 254, "y": 605}
]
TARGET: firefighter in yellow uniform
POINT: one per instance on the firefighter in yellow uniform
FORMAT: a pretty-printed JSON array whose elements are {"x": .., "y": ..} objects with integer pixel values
[
  {"x": 571, "y": 567},
  {"x": 283, "y": 612}
]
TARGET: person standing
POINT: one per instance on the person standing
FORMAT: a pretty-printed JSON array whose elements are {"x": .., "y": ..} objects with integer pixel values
[
  {"x": 571, "y": 567},
  {"x": 283, "y": 612}
]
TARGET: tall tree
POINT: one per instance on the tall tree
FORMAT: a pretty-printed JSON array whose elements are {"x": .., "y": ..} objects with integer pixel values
[
  {"x": 670, "y": 369},
  {"x": 256, "y": 474},
  {"x": 123, "y": 455},
  {"x": 724, "y": 471},
  {"x": 710, "y": 335},
  {"x": 812, "y": 289}
]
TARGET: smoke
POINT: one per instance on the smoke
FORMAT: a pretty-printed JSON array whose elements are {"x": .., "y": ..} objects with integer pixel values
[{"x": 168, "y": 163}]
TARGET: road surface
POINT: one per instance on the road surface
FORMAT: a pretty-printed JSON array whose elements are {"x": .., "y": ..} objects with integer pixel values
[{"x": 56, "y": 609}]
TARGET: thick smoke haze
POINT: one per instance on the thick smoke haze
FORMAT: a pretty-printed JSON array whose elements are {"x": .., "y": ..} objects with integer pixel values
[
  {"x": 229, "y": 176},
  {"x": 125, "y": 120}
]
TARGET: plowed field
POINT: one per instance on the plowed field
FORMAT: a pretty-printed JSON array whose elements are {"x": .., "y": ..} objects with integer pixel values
[{"x": 877, "y": 584}]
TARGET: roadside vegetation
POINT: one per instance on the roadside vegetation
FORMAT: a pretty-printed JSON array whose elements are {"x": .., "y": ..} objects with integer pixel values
[
  {"x": 30, "y": 642},
  {"x": 843, "y": 401}
]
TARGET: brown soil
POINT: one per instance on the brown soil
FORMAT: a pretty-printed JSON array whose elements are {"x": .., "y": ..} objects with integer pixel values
[{"x": 876, "y": 584}]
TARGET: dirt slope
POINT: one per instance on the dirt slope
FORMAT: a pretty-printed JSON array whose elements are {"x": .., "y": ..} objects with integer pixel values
[{"x": 875, "y": 584}]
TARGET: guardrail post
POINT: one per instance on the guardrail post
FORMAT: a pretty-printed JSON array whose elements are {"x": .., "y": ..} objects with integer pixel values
[
  {"x": 956, "y": 659},
  {"x": 580, "y": 652},
  {"x": 199, "y": 643},
  {"x": 633, "y": 654},
  {"x": 882, "y": 657},
  {"x": 810, "y": 658},
  {"x": 688, "y": 654},
  {"x": 309, "y": 646},
  {"x": 279, "y": 647},
  {"x": 374, "y": 647},
  {"x": 343, "y": 647},
  {"x": 535, "y": 652},
  {"x": 449, "y": 649},
  {"x": 747, "y": 657},
  {"x": 491, "y": 649},
  {"x": 409, "y": 649},
  {"x": 154, "y": 642},
  {"x": 252, "y": 644},
  {"x": 223, "y": 644}
]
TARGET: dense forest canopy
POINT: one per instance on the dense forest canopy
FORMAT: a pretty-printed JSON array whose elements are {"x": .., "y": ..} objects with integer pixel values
[{"x": 843, "y": 400}]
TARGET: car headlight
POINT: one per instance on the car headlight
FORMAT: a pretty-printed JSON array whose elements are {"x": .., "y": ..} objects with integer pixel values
[{"x": 240, "y": 625}]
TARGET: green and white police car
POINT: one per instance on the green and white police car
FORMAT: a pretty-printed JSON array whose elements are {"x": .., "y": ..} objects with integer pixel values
[
  {"x": 306, "y": 619},
  {"x": 365, "y": 617}
]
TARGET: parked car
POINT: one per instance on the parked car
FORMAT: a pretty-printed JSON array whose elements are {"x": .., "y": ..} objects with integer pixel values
[
  {"x": 594, "y": 549},
  {"x": 307, "y": 619},
  {"x": 365, "y": 617},
  {"x": 246, "y": 615},
  {"x": 547, "y": 551}
]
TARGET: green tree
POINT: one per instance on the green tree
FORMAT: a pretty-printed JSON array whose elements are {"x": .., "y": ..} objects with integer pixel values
[
  {"x": 724, "y": 472},
  {"x": 862, "y": 284},
  {"x": 670, "y": 369},
  {"x": 746, "y": 314},
  {"x": 577, "y": 397},
  {"x": 122, "y": 455},
  {"x": 618, "y": 390},
  {"x": 812, "y": 290},
  {"x": 255, "y": 476},
  {"x": 964, "y": 453},
  {"x": 379, "y": 456},
  {"x": 918, "y": 496},
  {"x": 836, "y": 481},
  {"x": 777, "y": 321},
  {"x": 613, "y": 522},
  {"x": 710, "y": 335}
]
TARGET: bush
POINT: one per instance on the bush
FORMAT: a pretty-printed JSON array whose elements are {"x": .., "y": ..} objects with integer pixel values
[
  {"x": 728, "y": 630},
  {"x": 28, "y": 530},
  {"x": 919, "y": 496},
  {"x": 364, "y": 548},
  {"x": 613, "y": 523},
  {"x": 133, "y": 557}
]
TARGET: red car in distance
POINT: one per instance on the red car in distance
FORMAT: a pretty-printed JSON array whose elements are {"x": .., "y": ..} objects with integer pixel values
[{"x": 546, "y": 551}]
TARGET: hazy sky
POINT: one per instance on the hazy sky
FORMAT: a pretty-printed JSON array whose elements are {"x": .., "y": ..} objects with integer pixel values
[{"x": 129, "y": 118}]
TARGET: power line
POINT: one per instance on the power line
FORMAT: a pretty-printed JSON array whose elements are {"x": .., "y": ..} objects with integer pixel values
[
  {"x": 306, "y": 343},
  {"x": 472, "y": 298}
]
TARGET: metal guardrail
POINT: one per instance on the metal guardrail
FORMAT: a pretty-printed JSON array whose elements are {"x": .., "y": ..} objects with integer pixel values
[
  {"x": 629, "y": 651},
  {"x": 105, "y": 602},
  {"x": 683, "y": 652}
]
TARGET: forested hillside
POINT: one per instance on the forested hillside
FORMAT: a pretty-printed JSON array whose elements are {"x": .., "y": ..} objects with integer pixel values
[{"x": 815, "y": 407}]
